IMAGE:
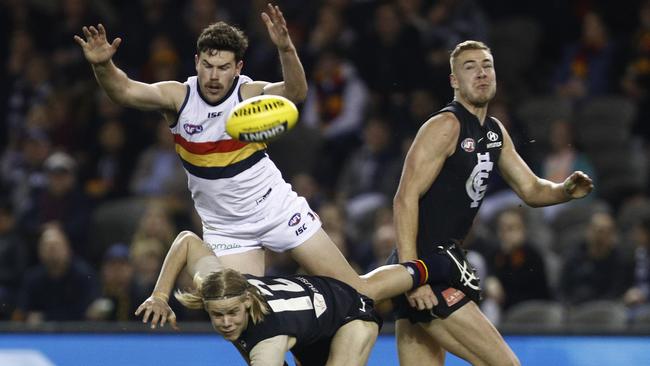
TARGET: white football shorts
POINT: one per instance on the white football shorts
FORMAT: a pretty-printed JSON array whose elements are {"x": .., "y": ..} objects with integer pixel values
[{"x": 285, "y": 223}]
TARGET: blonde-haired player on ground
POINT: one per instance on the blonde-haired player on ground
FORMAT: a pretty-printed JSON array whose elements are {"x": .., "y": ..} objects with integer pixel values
[{"x": 320, "y": 319}]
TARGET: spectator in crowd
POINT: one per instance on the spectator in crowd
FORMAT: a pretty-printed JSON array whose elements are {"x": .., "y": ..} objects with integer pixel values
[
  {"x": 69, "y": 16},
  {"x": 13, "y": 259},
  {"x": 330, "y": 31},
  {"x": 22, "y": 168},
  {"x": 639, "y": 292},
  {"x": 636, "y": 77},
  {"x": 19, "y": 96},
  {"x": 30, "y": 87},
  {"x": 119, "y": 295},
  {"x": 586, "y": 66},
  {"x": 163, "y": 63},
  {"x": 146, "y": 256},
  {"x": 145, "y": 20},
  {"x": 60, "y": 287},
  {"x": 111, "y": 164},
  {"x": 159, "y": 174},
  {"x": 383, "y": 242},
  {"x": 370, "y": 176},
  {"x": 62, "y": 201},
  {"x": 390, "y": 56},
  {"x": 335, "y": 104},
  {"x": 596, "y": 268},
  {"x": 564, "y": 158},
  {"x": 156, "y": 223},
  {"x": 517, "y": 270},
  {"x": 406, "y": 123}
]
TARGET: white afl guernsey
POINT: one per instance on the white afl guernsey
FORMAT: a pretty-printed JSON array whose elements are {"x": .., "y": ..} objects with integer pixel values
[{"x": 237, "y": 190}]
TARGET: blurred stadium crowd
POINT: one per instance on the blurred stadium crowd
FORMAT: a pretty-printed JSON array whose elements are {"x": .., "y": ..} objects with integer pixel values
[{"x": 92, "y": 195}]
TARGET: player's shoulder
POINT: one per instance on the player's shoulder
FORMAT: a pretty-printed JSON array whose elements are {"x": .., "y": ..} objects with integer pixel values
[
  {"x": 171, "y": 86},
  {"x": 245, "y": 79},
  {"x": 442, "y": 121},
  {"x": 497, "y": 122},
  {"x": 174, "y": 94}
]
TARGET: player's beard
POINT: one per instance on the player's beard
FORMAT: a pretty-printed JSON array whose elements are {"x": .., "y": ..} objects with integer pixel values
[{"x": 480, "y": 100}]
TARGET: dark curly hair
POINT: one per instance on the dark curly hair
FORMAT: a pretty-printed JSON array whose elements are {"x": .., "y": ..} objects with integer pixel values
[{"x": 222, "y": 37}]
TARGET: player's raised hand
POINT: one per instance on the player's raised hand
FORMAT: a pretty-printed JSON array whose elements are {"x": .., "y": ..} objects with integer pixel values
[
  {"x": 96, "y": 48},
  {"x": 277, "y": 27},
  {"x": 159, "y": 311},
  {"x": 578, "y": 185}
]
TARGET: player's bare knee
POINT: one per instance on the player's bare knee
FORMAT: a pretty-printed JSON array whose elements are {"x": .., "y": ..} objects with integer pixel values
[{"x": 357, "y": 337}]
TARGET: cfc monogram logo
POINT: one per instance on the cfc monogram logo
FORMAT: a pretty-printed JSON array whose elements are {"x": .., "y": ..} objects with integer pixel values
[{"x": 476, "y": 183}]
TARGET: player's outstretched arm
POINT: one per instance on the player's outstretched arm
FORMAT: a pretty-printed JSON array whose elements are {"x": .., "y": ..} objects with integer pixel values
[
  {"x": 164, "y": 96},
  {"x": 536, "y": 191},
  {"x": 294, "y": 86},
  {"x": 188, "y": 252}
]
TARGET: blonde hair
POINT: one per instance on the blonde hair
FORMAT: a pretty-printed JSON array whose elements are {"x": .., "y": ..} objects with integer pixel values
[
  {"x": 222, "y": 285},
  {"x": 466, "y": 46}
]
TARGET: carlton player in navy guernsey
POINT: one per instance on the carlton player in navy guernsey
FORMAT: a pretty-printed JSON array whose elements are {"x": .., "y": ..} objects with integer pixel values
[
  {"x": 320, "y": 319},
  {"x": 441, "y": 189},
  {"x": 309, "y": 311}
]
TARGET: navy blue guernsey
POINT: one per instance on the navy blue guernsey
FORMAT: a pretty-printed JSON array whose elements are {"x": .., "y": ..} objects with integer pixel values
[
  {"x": 309, "y": 308},
  {"x": 448, "y": 208}
]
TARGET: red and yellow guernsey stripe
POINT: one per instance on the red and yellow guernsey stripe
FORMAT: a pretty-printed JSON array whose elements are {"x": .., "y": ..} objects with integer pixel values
[{"x": 218, "y": 159}]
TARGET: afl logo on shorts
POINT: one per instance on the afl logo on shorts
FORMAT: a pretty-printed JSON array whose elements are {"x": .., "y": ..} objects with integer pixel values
[
  {"x": 294, "y": 220},
  {"x": 468, "y": 145}
]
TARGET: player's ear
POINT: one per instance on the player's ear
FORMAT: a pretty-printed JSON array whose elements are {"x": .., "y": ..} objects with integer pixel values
[
  {"x": 453, "y": 81},
  {"x": 239, "y": 67},
  {"x": 248, "y": 301}
]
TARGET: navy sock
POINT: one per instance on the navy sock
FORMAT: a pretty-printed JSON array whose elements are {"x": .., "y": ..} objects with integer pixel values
[
  {"x": 438, "y": 269},
  {"x": 418, "y": 271},
  {"x": 428, "y": 271}
]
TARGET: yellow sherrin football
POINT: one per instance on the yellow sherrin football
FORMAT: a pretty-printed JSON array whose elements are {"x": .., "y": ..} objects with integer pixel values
[{"x": 262, "y": 118}]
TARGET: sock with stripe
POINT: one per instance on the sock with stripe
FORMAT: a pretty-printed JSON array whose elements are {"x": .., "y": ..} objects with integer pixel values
[
  {"x": 418, "y": 271},
  {"x": 423, "y": 271}
]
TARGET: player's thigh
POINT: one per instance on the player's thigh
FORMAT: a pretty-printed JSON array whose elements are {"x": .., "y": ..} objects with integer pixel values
[
  {"x": 352, "y": 343},
  {"x": 237, "y": 248},
  {"x": 318, "y": 255},
  {"x": 251, "y": 261},
  {"x": 415, "y": 346},
  {"x": 468, "y": 334}
]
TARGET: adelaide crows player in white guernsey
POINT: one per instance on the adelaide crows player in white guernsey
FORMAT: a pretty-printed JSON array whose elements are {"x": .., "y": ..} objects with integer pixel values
[
  {"x": 320, "y": 319},
  {"x": 441, "y": 189},
  {"x": 244, "y": 203}
]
